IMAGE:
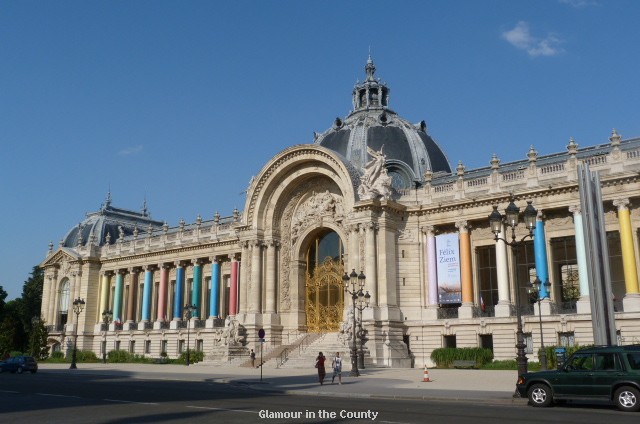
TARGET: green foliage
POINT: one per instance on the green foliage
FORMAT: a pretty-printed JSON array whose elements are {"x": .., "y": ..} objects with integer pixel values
[
  {"x": 86, "y": 356},
  {"x": 57, "y": 356},
  {"x": 194, "y": 356},
  {"x": 119, "y": 356},
  {"x": 444, "y": 357},
  {"x": 551, "y": 354},
  {"x": 509, "y": 364}
]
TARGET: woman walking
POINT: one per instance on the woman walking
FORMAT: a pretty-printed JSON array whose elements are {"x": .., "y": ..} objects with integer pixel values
[{"x": 320, "y": 365}]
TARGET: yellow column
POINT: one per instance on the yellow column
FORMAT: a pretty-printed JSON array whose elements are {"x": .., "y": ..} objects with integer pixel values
[
  {"x": 628, "y": 251},
  {"x": 104, "y": 295},
  {"x": 466, "y": 273}
]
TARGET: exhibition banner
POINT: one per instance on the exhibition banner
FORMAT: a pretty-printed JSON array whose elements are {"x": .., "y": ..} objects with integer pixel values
[{"x": 448, "y": 267}]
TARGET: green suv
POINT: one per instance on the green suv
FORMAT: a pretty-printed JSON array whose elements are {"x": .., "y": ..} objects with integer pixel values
[{"x": 610, "y": 373}]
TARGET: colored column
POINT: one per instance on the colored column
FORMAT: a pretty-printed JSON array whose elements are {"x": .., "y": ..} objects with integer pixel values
[
  {"x": 502, "y": 270},
  {"x": 133, "y": 291},
  {"x": 628, "y": 252},
  {"x": 465, "y": 263},
  {"x": 163, "y": 290},
  {"x": 432, "y": 273},
  {"x": 581, "y": 252},
  {"x": 196, "y": 293},
  {"x": 214, "y": 303},
  {"x": 117, "y": 297},
  {"x": 233, "y": 295},
  {"x": 146, "y": 294},
  {"x": 179, "y": 296},
  {"x": 104, "y": 294},
  {"x": 540, "y": 249}
]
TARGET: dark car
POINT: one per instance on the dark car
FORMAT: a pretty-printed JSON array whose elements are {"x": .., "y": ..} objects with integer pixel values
[
  {"x": 19, "y": 364},
  {"x": 609, "y": 373}
]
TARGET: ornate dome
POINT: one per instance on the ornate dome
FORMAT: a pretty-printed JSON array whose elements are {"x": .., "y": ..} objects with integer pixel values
[
  {"x": 409, "y": 150},
  {"x": 109, "y": 224}
]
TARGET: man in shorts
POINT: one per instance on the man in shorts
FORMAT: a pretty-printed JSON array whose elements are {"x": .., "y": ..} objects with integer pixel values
[{"x": 337, "y": 368}]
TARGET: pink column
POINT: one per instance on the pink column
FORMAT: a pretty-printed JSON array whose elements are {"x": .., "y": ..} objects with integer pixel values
[
  {"x": 233, "y": 295},
  {"x": 162, "y": 293}
]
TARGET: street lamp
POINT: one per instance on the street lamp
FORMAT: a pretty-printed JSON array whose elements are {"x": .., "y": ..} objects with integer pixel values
[
  {"x": 107, "y": 316},
  {"x": 534, "y": 288},
  {"x": 78, "y": 306},
  {"x": 511, "y": 218},
  {"x": 188, "y": 313},
  {"x": 357, "y": 294}
]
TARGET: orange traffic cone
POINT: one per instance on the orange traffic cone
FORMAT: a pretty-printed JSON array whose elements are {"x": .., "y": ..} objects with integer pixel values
[{"x": 426, "y": 375}]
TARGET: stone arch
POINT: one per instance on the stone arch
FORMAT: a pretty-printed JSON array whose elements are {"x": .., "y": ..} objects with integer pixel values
[{"x": 290, "y": 169}]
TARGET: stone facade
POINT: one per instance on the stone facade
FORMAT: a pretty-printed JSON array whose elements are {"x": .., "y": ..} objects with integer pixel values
[{"x": 247, "y": 271}]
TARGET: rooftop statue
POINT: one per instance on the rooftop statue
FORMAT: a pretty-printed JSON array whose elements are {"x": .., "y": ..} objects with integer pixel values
[{"x": 375, "y": 182}]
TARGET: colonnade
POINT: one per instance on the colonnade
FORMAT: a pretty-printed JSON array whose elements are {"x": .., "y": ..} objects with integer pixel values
[{"x": 541, "y": 258}]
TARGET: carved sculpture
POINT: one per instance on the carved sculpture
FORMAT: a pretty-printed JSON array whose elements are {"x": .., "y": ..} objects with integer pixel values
[{"x": 375, "y": 182}]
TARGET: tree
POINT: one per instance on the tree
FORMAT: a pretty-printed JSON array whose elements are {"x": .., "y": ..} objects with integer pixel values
[{"x": 3, "y": 296}]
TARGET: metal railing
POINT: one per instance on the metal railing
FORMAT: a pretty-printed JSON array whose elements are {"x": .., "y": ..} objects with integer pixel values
[{"x": 447, "y": 313}]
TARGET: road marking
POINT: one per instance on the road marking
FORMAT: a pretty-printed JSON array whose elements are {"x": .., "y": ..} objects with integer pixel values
[
  {"x": 56, "y": 395},
  {"x": 221, "y": 409},
  {"x": 129, "y": 401},
  {"x": 8, "y": 391}
]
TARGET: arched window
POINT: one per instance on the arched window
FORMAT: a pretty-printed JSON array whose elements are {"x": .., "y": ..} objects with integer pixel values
[
  {"x": 325, "y": 245},
  {"x": 63, "y": 304}
]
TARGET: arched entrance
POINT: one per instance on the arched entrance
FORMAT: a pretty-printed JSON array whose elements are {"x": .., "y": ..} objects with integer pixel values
[{"x": 324, "y": 290}]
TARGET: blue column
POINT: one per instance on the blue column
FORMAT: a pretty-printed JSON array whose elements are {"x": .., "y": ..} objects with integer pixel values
[
  {"x": 117, "y": 301},
  {"x": 540, "y": 248},
  {"x": 178, "y": 301},
  {"x": 146, "y": 295},
  {"x": 214, "y": 304},
  {"x": 196, "y": 294}
]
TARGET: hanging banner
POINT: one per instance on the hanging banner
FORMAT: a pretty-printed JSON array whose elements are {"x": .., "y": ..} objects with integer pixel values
[{"x": 448, "y": 267}]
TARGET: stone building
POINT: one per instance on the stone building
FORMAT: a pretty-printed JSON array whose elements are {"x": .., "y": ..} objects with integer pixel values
[{"x": 375, "y": 194}]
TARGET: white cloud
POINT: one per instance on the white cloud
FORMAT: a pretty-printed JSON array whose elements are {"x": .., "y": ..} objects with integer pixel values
[
  {"x": 578, "y": 4},
  {"x": 132, "y": 150},
  {"x": 520, "y": 37}
]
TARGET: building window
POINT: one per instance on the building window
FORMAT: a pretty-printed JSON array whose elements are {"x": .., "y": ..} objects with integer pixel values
[
  {"x": 449, "y": 341},
  {"x": 163, "y": 346},
  {"x": 132, "y": 346},
  {"x": 103, "y": 347},
  {"x": 566, "y": 339},
  {"x": 117, "y": 344},
  {"x": 486, "y": 341},
  {"x": 181, "y": 346},
  {"x": 147, "y": 346},
  {"x": 617, "y": 270},
  {"x": 528, "y": 341},
  {"x": 199, "y": 345},
  {"x": 487, "y": 276},
  {"x": 63, "y": 305},
  {"x": 525, "y": 273},
  {"x": 565, "y": 264}
]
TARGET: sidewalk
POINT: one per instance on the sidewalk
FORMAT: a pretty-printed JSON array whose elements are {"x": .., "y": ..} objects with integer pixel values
[{"x": 445, "y": 384}]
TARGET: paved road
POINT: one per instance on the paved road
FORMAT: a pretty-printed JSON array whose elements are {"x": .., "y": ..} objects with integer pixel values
[{"x": 116, "y": 396}]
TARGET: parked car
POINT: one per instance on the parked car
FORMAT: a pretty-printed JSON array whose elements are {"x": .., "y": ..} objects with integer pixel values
[
  {"x": 609, "y": 373},
  {"x": 19, "y": 364}
]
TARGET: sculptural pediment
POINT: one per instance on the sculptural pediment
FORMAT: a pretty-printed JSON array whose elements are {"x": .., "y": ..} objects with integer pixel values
[{"x": 62, "y": 255}]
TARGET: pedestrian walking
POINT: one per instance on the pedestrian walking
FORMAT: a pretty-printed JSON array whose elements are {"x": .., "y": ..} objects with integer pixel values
[
  {"x": 336, "y": 364},
  {"x": 320, "y": 366},
  {"x": 253, "y": 358}
]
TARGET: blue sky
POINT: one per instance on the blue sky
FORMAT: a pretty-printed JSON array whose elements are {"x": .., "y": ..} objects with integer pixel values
[{"x": 183, "y": 102}]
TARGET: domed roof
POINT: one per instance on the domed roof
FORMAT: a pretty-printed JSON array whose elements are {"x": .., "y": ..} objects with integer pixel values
[
  {"x": 109, "y": 224},
  {"x": 409, "y": 150}
]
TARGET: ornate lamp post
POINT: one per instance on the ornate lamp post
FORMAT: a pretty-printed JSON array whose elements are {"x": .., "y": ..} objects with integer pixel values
[
  {"x": 188, "y": 313},
  {"x": 357, "y": 294},
  {"x": 534, "y": 288},
  {"x": 107, "y": 316},
  {"x": 511, "y": 218},
  {"x": 361, "y": 304},
  {"x": 78, "y": 306}
]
